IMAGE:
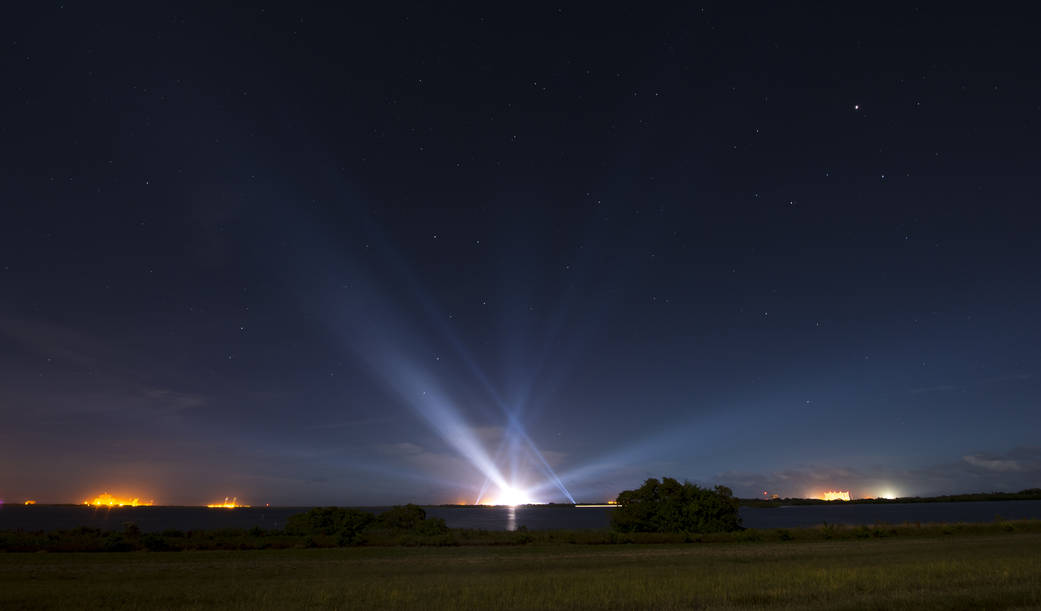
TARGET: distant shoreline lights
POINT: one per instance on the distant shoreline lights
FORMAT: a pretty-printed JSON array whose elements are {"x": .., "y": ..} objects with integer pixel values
[
  {"x": 836, "y": 495},
  {"x": 232, "y": 504},
  {"x": 107, "y": 500}
]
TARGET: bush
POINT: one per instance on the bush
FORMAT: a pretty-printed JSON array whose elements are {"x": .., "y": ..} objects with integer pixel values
[
  {"x": 155, "y": 543},
  {"x": 114, "y": 542},
  {"x": 329, "y": 521},
  {"x": 403, "y": 517},
  {"x": 671, "y": 507}
]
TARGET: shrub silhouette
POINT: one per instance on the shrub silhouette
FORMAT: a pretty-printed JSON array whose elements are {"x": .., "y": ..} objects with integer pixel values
[
  {"x": 403, "y": 517},
  {"x": 669, "y": 506},
  {"x": 351, "y": 526},
  {"x": 329, "y": 521}
]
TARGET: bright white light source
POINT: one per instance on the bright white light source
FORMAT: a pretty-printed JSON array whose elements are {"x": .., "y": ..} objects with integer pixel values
[{"x": 511, "y": 497}]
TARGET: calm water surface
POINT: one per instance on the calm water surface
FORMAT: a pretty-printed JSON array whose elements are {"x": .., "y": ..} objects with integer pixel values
[{"x": 49, "y": 517}]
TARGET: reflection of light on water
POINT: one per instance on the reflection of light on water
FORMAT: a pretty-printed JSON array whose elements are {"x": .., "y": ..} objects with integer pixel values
[{"x": 511, "y": 518}]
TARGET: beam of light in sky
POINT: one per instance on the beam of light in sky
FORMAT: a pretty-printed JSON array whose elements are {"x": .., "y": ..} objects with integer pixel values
[
  {"x": 515, "y": 452},
  {"x": 423, "y": 395},
  {"x": 548, "y": 470},
  {"x": 514, "y": 424},
  {"x": 702, "y": 433},
  {"x": 380, "y": 335},
  {"x": 438, "y": 321}
]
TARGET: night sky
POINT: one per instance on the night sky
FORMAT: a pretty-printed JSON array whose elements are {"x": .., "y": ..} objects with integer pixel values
[{"x": 308, "y": 255}]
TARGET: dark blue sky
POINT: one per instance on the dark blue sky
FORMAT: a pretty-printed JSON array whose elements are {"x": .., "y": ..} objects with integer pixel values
[{"x": 302, "y": 254}]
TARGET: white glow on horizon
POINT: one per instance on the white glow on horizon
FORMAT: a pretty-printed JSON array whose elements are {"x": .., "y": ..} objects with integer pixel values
[
  {"x": 426, "y": 394},
  {"x": 511, "y": 497}
]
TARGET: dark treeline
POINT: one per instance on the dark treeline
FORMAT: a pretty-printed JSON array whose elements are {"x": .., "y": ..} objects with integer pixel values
[
  {"x": 132, "y": 539},
  {"x": 1030, "y": 494},
  {"x": 663, "y": 511}
]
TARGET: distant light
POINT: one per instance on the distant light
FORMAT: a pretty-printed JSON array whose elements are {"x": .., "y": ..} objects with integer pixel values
[
  {"x": 856, "y": 107},
  {"x": 887, "y": 494},
  {"x": 836, "y": 495},
  {"x": 510, "y": 497},
  {"x": 107, "y": 500},
  {"x": 232, "y": 504},
  {"x": 30, "y": 502}
]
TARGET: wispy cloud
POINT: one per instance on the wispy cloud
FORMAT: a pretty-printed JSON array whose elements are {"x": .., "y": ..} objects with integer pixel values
[
  {"x": 1021, "y": 460},
  {"x": 54, "y": 341}
]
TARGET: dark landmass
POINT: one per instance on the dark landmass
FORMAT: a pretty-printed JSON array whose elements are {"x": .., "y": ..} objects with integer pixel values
[
  {"x": 1030, "y": 494},
  {"x": 131, "y": 539}
]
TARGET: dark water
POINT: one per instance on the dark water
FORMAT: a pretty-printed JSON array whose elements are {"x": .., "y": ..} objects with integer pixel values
[{"x": 44, "y": 517}]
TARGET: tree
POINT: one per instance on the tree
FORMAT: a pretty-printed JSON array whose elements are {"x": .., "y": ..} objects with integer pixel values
[
  {"x": 403, "y": 517},
  {"x": 412, "y": 519},
  {"x": 329, "y": 521},
  {"x": 669, "y": 506}
]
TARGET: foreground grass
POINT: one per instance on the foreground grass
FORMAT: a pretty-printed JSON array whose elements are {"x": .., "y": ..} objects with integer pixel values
[{"x": 992, "y": 571}]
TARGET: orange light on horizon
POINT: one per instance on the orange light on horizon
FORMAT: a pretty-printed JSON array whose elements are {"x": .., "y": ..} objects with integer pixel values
[
  {"x": 232, "y": 504},
  {"x": 30, "y": 502},
  {"x": 107, "y": 500},
  {"x": 836, "y": 495}
]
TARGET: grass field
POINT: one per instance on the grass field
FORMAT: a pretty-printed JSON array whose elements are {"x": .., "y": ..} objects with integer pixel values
[{"x": 992, "y": 571}]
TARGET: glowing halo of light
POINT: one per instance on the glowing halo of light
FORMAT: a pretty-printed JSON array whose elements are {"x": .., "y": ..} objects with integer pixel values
[
  {"x": 510, "y": 497},
  {"x": 107, "y": 500},
  {"x": 233, "y": 503},
  {"x": 389, "y": 356}
]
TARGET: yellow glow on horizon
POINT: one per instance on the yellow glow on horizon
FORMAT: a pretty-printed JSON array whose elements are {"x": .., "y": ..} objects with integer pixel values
[
  {"x": 107, "y": 500},
  {"x": 30, "y": 502},
  {"x": 836, "y": 495},
  {"x": 232, "y": 504}
]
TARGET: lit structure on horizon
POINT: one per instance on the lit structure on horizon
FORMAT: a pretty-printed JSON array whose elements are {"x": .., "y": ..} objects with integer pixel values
[
  {"x": 232, "y": 504},
  {"x": 30, "y": 502},
  {"x": 836, "y": 495},
  {"x": 510, "y": 497},
  {"x": 107, "y": 500}
]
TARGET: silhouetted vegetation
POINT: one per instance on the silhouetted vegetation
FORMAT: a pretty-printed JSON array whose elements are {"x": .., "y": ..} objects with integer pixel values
[
  {"x": 431, "y": 533},
  {"x": 402, "y": 524},
  {"x": 671, "y": 507},
  {"x": 1030, "y": 494},
  {"x": 346, "y": 523}
]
